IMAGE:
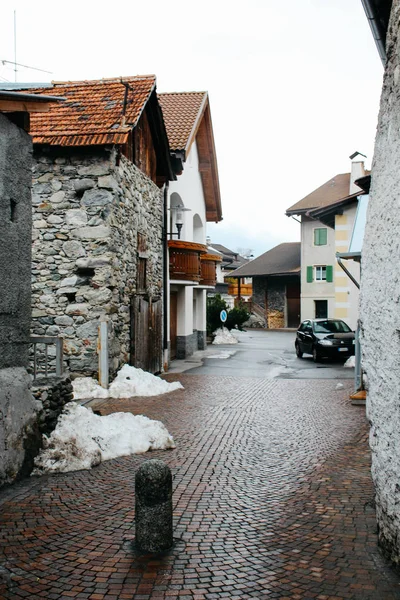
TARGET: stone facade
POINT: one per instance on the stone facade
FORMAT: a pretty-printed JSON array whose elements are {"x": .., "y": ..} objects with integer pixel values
[
  {"x": 91, "y": 209},
  {"x": 380, "y": 297},
  {"x": 186, "y": 345},
  {"x": 271, "y": 291},
  {"x": 18, "y": 408}
]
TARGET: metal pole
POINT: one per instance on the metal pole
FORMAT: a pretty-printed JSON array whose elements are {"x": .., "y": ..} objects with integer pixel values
[
  {"x": 15, "y": 44},
  {"x": 103, "y": 354}
]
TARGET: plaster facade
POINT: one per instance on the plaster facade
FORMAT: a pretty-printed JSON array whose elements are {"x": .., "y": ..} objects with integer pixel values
[
  {"x": 312, "y": 256},
  {"x": 18, "y": 408},
  {"x": 191, "y": 299},
  {"x": 346, "y": 293},
  {"x": 380, "y": 302},
  {"x": 89, "y": 209}
]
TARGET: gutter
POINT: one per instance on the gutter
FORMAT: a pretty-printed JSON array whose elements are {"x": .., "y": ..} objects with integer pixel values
[{"x": 375, "y": 24}]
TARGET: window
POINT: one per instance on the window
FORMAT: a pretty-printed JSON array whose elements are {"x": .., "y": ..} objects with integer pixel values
[
  {"x": 320, "y": 273},
  {"x": 321, "y": 309},
  {"x": 320, "y": 236}
]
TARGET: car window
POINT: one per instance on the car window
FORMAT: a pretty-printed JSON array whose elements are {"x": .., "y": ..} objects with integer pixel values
[
  {"x": 331, "y": 326},
  {"x": 303, "y": 326}
]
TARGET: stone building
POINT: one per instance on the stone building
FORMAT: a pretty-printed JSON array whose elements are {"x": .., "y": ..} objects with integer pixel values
[
  {"x": 101, "y": 158},
  {"x": 276, "y": 284},
  {"x": 380, "y": 285},
  {"x": 18, "y": 409}
]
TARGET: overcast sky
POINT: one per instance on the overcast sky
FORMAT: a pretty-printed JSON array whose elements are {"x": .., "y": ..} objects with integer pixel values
[{"x": 294, "y": 86}]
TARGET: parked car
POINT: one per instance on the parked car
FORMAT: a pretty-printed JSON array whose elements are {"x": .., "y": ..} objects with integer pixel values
[{"x": 324, "y": 338}]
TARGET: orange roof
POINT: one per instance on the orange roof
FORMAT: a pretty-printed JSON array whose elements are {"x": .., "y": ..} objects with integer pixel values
[
  {"x": 93, "y": 112},
  {"x": 182, "y": 112}
]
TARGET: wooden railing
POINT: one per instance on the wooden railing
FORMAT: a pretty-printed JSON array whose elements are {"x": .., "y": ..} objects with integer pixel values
[
  {"x": 184, "y": 260},
  {"x": 246, "y": 289},
  {"x": 209, "y": 269},
  {"x": 45, "y": 364}
]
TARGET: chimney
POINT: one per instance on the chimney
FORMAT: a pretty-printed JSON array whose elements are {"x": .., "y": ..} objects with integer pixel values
[{"x": 357, "y": 170}]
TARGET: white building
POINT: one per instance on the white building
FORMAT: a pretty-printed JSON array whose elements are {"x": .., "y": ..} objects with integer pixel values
[{"x": 193, "y": 200}]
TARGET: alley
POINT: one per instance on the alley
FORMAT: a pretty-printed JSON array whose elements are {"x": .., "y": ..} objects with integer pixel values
[{"x": 272, "y": 499}]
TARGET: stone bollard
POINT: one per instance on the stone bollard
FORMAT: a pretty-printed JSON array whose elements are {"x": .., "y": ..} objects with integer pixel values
[{"x": 153, "y": 491}]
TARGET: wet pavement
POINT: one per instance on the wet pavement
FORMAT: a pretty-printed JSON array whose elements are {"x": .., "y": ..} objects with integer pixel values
[
  {"x": 272, "y": 499},
  {"x": 262, "y": 353}
]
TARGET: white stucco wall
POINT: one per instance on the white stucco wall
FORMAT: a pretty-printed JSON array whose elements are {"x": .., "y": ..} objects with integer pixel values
[
  {"x": 316, "y": 255},
  {"x": 380, "y": 302},
  {"x": 346, "y": 293},
  {"x": 190, "y": 189},
  {"x": 191, "y": 309}
]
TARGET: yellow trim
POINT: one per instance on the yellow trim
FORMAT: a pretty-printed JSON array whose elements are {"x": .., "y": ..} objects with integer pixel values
[
  {"x": 341, "y": 235},
  {"x": 340, "y": 219},
  {"x": 341, "y": 313},
  {"x": 341, "y": 297}
]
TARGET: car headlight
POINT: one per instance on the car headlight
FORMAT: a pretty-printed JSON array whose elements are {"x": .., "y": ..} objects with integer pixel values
[{"x": 325, "y": 342}]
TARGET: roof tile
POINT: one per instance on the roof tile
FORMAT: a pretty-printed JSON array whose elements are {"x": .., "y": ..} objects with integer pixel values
[
  {"x": 93, "y": 112},
  {"x": 181, "y": 111}
]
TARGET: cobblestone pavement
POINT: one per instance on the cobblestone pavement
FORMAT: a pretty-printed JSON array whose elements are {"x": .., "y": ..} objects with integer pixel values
[{"x": 272, "y": 499}]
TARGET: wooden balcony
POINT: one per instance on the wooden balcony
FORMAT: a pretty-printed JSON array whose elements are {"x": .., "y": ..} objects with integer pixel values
[
  {"x": 246, "y": 289},
  {"x": 209, "y": 269},
  {"x": 184, "y": 260}
]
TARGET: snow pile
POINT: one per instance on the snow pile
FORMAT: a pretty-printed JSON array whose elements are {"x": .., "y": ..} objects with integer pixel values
[
  {"x": 128, "y": 382},
  {"x": 350, "y": 362},
  {"x": 83, "y": 440},
  {"x": 224, "y": 336}
]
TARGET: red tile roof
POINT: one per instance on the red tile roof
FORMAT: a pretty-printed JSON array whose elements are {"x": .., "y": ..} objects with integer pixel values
[
  {"x": 93, "y": 112},
  {"x": 182, "y": 112}
]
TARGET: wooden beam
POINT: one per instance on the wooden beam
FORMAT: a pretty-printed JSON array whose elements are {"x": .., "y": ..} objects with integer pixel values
[{"x": 18, "y": 106}]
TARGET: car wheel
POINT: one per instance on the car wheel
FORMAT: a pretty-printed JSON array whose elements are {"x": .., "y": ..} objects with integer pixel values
[
  {"x": 315, "y": 355},
  {"x": 299, "y": 353}
]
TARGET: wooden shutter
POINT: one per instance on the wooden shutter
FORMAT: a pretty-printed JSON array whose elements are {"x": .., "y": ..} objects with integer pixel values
[
  {"x": 309, "y": 274},
  {"x": 320, "y": 236},
  {"x": 329, "y": 273}
]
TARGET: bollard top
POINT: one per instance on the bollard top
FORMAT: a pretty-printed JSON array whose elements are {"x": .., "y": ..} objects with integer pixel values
[{"x": 153, "y": 482}]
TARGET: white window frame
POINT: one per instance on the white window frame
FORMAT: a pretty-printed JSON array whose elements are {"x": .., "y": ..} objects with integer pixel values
[{"x": 319, "y": 269}]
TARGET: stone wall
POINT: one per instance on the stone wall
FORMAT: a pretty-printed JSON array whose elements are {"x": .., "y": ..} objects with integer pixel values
[
  {"x": 276, "y": 299},
  {"x": 53, "y": 393},
  {"x": 88, "y": 208},
  {"x": 380, "y": 302},
  {"x": 15, "y": 244}
]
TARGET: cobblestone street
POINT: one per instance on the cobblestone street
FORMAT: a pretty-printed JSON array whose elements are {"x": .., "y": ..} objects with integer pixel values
[{"x": 272, "y": 499}]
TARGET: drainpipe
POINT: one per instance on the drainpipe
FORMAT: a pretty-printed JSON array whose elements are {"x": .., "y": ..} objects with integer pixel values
[
  {"x": 358, "y": 374},
  {"x": 165, "y": 277}
]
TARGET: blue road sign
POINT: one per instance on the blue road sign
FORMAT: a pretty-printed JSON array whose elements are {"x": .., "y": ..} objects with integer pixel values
[{"x": 223, "y": 315}]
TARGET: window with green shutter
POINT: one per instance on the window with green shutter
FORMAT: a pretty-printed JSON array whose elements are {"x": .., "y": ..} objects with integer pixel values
[
  {"x": 309, "y": 274},
  {"x": 320, "y": 236},
  {"x": 329, "y": 273}
]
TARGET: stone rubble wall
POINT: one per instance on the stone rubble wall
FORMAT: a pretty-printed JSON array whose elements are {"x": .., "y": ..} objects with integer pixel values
[
  {"x": 380, "y": 302},
  {"x": 276, "y": 292},
  {"x": 88, "y": 207},
  {"x": 53, "y": 393}
]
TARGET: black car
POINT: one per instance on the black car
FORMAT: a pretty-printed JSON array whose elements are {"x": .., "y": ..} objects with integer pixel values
[{"x": 322, "y": 338}]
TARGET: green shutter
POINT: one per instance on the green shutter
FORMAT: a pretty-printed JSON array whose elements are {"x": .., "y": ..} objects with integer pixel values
[
  {"x": 309, "y": 274},
  {"x": 320, "y": 236},
  {"x": 329, "y": 273}
]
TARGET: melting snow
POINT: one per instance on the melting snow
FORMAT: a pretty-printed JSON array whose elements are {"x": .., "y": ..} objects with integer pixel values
[
  {"x": 222, "y": 354},
  {"x": 83, "y": 440},
  {"x": 350, "y": 362},
  {"x": 128, "y": 382},
  {"x": 224, "y": 336}
]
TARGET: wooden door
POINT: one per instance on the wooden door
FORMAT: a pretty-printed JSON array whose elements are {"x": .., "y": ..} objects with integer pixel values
[
  {"x": 293, "y": 304},
  {"x": 146, "y": 334},
  {"x": 173, "y": 327}
]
